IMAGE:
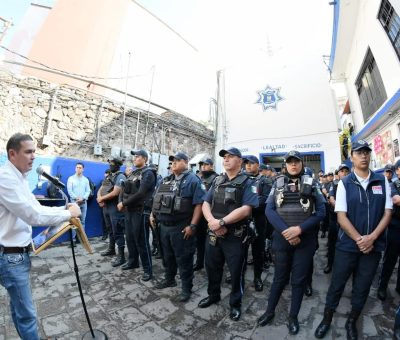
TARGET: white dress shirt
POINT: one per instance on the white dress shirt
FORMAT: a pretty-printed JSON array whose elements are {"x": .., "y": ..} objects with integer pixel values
[
  {"x": 341, "y": 201},
  {"x": 19, "y": 209}
]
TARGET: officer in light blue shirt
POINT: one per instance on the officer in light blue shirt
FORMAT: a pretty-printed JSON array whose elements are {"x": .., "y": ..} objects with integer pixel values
[{"x": 79, "y": 190}]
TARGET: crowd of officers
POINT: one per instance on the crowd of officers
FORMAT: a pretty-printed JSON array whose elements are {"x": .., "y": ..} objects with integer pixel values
[{"x": 279, "y": 216}]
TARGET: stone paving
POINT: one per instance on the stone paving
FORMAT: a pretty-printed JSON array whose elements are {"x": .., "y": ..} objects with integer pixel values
[{"x": 124, "y": 307}]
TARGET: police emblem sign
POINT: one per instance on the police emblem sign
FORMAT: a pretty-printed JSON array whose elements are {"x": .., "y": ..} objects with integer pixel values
[{"x": 269, "y": 98}]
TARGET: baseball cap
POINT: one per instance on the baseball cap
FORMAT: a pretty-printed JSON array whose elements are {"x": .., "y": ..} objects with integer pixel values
[
  {"x": 251, "y": 159},
  {"x": 232, "y": 151},
  {"x": 206, "y": 161},
  {"x": 140, "y": 152},
  {"x": 329, "y": 174},
  {"x": 388, "y": 167},
  {"x": 116, "y": 160},
  {"x": 342, "y": 166},
  {"x": 179, "y": 156},
  {"x": 397, "y": 164},
  {"x": 292, "y": 154},
  {"x": 265, "y": 167},
  {"x": 360, "y": 144}
]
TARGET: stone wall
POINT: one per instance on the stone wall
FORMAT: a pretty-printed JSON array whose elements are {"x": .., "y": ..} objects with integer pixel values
[{"x": 68, "y": 122}]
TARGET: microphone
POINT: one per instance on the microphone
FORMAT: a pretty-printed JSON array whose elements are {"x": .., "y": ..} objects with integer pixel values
[{"x": 40, "y": 171}]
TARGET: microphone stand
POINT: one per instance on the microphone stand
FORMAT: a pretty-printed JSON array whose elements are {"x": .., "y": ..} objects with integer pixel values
[{"x": 92, "y": 333}]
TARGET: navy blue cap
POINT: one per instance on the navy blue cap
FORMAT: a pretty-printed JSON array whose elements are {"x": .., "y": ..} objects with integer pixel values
[
  {"x": 140, "y": 152},
  {"x": 179, "y": 156},
  {"x": 397, "y": 165},
  {"x": 251, "y": 159},
  {"x": 265, "y": 167},
  {"x": 206, "y": 161},
  {"x": 360, "y": 144},
  {"x": 116, "y": 160},
  {"x": 232, "y": 151},
  {"x": 388, "y": 167},
  {"x": 292, "y": 154},
  {"x": 343, "y": 166}
]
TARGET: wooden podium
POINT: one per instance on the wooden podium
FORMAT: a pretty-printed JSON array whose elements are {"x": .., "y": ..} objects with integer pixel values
[{"x": 48, "y": 236}]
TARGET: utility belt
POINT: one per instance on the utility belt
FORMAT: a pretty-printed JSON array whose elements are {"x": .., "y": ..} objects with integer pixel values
[
  {"x": 236, "y": 229},
  {"x": 15, "y": 250},
  {"x": 172, "y": 223}
]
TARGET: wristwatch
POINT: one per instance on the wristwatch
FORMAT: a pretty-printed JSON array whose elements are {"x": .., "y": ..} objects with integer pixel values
[{"x": 222, "y": 222}]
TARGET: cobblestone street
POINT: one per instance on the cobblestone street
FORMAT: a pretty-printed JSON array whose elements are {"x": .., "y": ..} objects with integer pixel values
[{"x": 124, "y": 307}]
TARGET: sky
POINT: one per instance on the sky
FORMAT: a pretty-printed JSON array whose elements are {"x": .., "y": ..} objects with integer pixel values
[{"x": 230, "y": 32}]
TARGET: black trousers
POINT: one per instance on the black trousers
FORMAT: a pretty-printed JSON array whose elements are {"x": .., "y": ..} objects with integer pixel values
[
  {"x": 115, "y": 219},
  {"x": 178, "y": 253},
  {"x": 232, "y": 250},
  {"x": 392, "y": 253},
  {"x": 137, "y": 239},
  {"x": 296, "y": 262},
  {"x": 258, "y": 245},
  {"x": 201, "y": 235},
  {"x": 363, "y": 267}
]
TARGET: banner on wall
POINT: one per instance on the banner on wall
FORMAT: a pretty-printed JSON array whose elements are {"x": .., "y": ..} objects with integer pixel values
[{"x": 383, "y": 148}]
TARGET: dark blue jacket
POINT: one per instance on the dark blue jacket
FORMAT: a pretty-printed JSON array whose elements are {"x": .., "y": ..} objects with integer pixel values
[
  {"x": 395, "y": 222},
  {"x": 365, "y": 209}
]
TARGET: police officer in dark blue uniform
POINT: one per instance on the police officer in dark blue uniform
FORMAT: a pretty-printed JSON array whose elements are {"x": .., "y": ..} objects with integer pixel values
[
  {"x": 136, "y": 200},
  {"x": 364, "y": 207},
  {"x": 263, "y": 185},
  {"x": 227, "y": 208},
  {"x": 342, "y": 171},
  {"x": 107, "y": 197},
  {"x": 392, "y": 251},
  {"x": 295, "y": 206},
  {"x": 177, "y": 207},
  {"x": 207, "y": 176}
]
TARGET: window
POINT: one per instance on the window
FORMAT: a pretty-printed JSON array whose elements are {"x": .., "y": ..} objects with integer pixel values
[
  {"x": 390, "y": 21},
  {"x": 370, "y": 88}
]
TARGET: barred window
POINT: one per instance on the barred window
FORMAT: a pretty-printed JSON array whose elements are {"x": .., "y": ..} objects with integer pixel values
[
  {"x": 370, "y": 88},
  {"x": 390, "y": 21}
]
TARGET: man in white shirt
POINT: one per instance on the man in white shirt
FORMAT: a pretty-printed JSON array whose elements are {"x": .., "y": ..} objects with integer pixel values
[
  {"x": 364, "y": 208},
  {"x": 19, "y": 210}
]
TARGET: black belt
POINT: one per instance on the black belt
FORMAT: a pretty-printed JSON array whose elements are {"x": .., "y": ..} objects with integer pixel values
[
  {"x": 171, "y": 223},
  {"x": 13, "y": 250}
]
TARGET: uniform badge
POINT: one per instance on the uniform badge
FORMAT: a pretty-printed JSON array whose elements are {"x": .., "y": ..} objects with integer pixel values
[
  {"x": 377, "y": 190},
  {"x": 253, "y": 189},
  {"x": 292, "y": 187}
]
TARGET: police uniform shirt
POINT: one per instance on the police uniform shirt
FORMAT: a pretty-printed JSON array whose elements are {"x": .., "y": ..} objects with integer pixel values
[
  {"x": 341, "y": 201},
  {"x": 309, "y": 224},
  {"x": 249, "y": 197}
]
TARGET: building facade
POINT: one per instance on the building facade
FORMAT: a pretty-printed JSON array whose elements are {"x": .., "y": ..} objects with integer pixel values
[{"x": 365, "y": 58}]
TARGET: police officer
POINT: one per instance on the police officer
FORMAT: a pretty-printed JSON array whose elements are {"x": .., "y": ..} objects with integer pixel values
[
  {"x": 136, "y": 200},
  {"x": 207, "y": 176},
  {"x": 342, "y": 171},
  {"x": 227, "y": 208},
  {"x": 388, "y": 172},
  {"x": 327, "y": 181},
  {"x": 177, "y": 207},
  {"x": 363, "y": 207},
  {"x": 263, "y": 185},
  {"x": 107, "y": 197},
  {"x": 295, "y": 206},
  {"x": 392, "y": 251}
]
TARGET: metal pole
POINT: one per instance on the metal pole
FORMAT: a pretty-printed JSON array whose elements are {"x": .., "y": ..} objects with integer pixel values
[{"x": 124, "y": 110}]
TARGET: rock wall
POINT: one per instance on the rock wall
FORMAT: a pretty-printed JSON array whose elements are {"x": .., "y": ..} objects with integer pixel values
[{"x": 69, "y": 122}]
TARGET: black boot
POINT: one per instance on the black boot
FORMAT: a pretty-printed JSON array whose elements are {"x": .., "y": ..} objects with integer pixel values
[
  {"x": 325, "y": 324},
  {"x": 351, "y": 327},
  {"x": 120, "y": 260},
  {"x": 109, "y": 251}
]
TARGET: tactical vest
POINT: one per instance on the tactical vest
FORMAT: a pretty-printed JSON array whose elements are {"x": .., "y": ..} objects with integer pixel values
[
  {"x": 207, "y": 181},
  {"x": 396, "y": 208},
  {"x": 227, "y": 195},
  {"x": 108, "y": 183},
  {"x": 290, "y": 206},
  {"x": 335, "y": 184},
  {"x": 168, "y": 199}
]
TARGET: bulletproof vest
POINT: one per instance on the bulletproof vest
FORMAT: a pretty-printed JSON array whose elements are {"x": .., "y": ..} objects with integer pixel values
[
  {"x": 290, "y": 205},
  {"x": 396, "y": 208},
  {"x": 227, "y": 195},
  {"x": 168, "y": 199},
  {"x": 108, "y": 183},
  {"x": 131, "y": 184},
  {"x": 207, "y": 181}
]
